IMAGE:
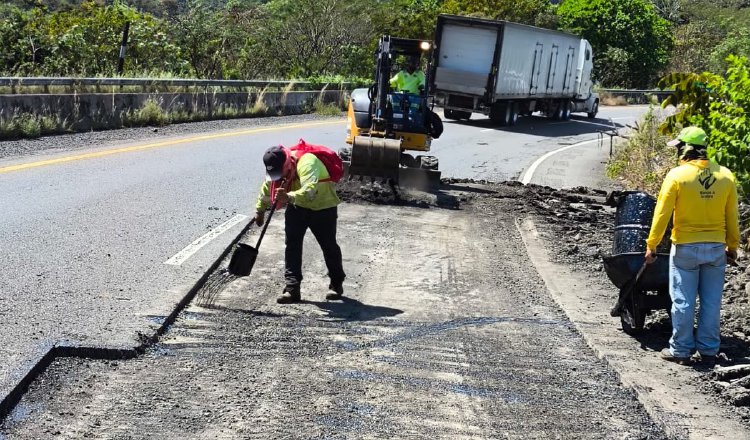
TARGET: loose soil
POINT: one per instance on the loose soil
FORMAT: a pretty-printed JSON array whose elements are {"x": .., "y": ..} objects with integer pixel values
[
  {"x": 446, "y": 331},
  {"x": 580, "y": 233}
]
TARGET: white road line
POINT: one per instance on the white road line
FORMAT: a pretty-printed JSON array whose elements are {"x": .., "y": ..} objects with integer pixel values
[
  {"x": 487, "y": 129},
  {"x": 192, "y": 248},
  {"x": 530, "y": 172}
]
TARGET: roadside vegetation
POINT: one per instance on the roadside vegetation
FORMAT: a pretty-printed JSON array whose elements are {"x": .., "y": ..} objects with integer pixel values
[
  {"x": 304, "y": 39},
  {"x": 719, "y": 104},
  {"x": 641, "y": 162}
]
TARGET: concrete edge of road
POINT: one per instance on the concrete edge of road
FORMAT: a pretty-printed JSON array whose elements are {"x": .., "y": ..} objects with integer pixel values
[
  {"x": 9, "y": 399},
  {"x": 667, "y": 391}
]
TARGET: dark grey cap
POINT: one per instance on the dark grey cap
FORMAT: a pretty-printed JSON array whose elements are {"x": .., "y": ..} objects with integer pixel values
[{"x": 274, "y": 159}]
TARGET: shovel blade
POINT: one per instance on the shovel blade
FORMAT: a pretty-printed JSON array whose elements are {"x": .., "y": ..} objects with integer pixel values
[{"x": 243, "y": 260}]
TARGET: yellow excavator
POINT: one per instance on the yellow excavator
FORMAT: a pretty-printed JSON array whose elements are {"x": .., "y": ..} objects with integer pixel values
[{"x": 384, "y": 124}]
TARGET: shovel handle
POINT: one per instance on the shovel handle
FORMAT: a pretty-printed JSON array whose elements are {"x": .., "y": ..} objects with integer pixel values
[{"x": 268, "y": 220}]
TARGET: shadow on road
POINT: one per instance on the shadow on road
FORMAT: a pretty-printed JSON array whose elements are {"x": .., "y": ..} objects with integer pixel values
[
  {"x": 542, "y": 126},
  {"x": 349, "y": 309},
  {"x": 254, "y": 313}
]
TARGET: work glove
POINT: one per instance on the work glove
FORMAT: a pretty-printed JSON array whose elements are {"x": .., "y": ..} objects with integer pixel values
[{"x": 259, "y": 218}]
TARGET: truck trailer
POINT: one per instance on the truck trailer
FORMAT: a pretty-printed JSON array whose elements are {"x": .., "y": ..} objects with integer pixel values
[{"x": 506, "y": 70}]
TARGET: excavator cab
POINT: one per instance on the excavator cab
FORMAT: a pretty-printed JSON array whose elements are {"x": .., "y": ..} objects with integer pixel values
[{"x": 384, "y": 123}]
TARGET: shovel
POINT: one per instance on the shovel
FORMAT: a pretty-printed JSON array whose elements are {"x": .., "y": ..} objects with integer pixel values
[{"x": 243, "y": 258}]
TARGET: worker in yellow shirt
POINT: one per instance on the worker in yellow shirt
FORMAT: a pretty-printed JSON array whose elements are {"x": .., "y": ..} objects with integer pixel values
[
  {"x": 701, "y": 197},
  {"x": 410, "y": 80}
]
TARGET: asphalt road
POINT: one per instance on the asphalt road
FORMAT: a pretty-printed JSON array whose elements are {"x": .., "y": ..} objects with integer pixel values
[
  {"x": 85, "y": 234},
  {"x": 445, "y": 332},
  {"x": 476, "y": 149}
]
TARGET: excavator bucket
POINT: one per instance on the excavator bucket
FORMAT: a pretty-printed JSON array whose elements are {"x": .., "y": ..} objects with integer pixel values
[{"x": 377, "y": 158}]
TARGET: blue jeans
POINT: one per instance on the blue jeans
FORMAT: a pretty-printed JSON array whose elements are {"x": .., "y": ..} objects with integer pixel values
[{"x": 696, "y": 270}]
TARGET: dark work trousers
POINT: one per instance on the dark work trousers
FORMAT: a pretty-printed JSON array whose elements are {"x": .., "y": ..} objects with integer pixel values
[{"x": 323, "y": 226}]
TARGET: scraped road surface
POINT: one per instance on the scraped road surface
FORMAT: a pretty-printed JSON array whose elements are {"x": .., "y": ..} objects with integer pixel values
[
  {"x": 446, "y": 332},
  {"x": 86, "y": 238}
]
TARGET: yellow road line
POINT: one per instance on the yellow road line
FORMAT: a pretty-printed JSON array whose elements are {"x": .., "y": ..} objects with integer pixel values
[{"x": 58, "y": 160}]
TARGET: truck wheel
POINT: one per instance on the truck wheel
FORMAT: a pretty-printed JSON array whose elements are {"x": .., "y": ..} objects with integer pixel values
[
  {"x": 513, "y": 115},
  {"x": 559, "y": 111},
  {"x": 463, "y": 115},
  {"x": 450, "y": 114},
  {"x": 500, "y": 114},
  {"x": 566, "y": 111},
  {"x": 594, "y": 110}
]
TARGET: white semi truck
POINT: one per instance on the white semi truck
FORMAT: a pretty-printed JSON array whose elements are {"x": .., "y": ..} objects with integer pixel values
[{"x": 506, "y": 70}]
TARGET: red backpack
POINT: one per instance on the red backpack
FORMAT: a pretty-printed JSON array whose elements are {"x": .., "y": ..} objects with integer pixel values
[{"x": 330, "y": 158}]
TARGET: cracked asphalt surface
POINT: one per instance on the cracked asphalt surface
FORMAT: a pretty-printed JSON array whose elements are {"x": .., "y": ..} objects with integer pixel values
[{"x": 446, "y": 331}]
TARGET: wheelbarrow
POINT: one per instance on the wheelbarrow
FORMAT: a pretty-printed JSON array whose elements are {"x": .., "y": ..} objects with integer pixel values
[{"x": 643, "y": 287}]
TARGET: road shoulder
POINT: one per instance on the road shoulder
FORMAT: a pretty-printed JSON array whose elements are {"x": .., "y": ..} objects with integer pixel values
[{"x": 666, "y": 391}]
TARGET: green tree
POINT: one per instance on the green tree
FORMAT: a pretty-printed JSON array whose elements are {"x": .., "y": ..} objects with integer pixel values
[
  {"x": 631, "y": 41},
  {"x": 300, "y": 38},
  {"x": 24, "y": 41},
  {"x": 534, "y": 12},
  {"x": 408, "y": 18},
  {"x": 720, "y": 104},
  {"x": 200, "y": 36},
  {"x": 694, "y": 43},
  {"x": 736, "y": 42},
  {"x": 86, "y": 41}
]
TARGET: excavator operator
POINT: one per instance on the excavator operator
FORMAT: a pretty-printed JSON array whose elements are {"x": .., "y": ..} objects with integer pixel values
[{"x": 410, "y": 80}]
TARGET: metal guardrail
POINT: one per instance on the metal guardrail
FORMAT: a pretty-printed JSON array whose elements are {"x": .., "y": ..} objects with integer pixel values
[
  {"x": 634, "y": 91},
  {"x": 637, "y": 96},
  {"x": 17, "y": 82}
]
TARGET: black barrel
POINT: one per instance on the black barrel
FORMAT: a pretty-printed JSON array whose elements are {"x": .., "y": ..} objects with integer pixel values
[
  {"x": 633, "y": 222},
  {"x": 242, "y": 260}
]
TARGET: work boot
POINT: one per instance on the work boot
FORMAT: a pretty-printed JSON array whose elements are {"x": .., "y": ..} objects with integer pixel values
[
  {"x": 338, "y": 291},
  {"x": 290, "y": 295},
  {"x": 667, "y": 355}
]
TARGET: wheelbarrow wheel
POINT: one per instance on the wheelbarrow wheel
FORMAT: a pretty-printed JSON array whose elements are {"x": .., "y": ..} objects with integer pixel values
[{"x": 632, "y": 320}]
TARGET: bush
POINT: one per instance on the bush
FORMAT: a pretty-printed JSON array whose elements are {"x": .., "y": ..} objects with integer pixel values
[
  {"x": 607, "y": 98},
  {"x": 28, "y": 125},
  {"x": 150, "y": 114},
  {"x": 643, "y": 161},
  {"x": 326, "y": 109}
]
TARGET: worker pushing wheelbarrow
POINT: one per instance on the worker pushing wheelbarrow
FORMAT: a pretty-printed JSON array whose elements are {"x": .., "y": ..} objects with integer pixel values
[{"x": 643, "y": 287}]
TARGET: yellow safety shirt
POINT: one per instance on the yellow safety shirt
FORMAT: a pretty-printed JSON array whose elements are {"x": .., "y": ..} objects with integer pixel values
[
  {"x": 307, "y": 190},
  {"x": 703, "y": 196},
  {"x": 408, "y": 82}
]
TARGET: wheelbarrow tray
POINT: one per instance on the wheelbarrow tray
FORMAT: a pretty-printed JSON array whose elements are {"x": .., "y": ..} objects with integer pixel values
[{"x": 621, "y": 268}]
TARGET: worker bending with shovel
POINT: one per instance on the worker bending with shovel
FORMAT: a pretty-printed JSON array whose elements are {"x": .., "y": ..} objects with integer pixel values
[{"x": 299, "y": 179}]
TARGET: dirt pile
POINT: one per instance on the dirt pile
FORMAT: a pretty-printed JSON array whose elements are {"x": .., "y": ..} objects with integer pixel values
[{"x": 583, "y": 223}]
